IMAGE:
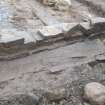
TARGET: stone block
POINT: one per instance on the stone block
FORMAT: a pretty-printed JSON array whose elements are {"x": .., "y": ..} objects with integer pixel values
[
  {"x": 66, "y": 26},
  {"x": 27, "y": 37},
  {"x": 48, "y": 32},
  {"x": 13, "y": 35},
  {"x": 97, "y": 20},
  {"x": 11, "y": 40},
  {"x": 85, "y": 28},
  {"x": 98, "y": 24},
  {"x": 74, "y": 31}
]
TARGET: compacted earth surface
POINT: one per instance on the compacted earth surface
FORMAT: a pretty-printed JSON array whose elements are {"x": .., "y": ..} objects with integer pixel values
[{"x": 56, "y": 76}]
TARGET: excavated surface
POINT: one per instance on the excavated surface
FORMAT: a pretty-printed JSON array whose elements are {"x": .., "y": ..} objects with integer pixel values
[{"x": 68, "y": 67}]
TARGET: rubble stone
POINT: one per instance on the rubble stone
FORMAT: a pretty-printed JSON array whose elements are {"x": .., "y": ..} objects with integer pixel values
[{"x": 95, "y": 93}]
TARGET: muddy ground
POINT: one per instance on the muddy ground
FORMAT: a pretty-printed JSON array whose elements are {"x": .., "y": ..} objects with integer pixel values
[{"x": 48, "y": 73}]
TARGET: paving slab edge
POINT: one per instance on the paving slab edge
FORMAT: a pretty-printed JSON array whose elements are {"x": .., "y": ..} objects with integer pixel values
[{"x": 49, "y": 35}]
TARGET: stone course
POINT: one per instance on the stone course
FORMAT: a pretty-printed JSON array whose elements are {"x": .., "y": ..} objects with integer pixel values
[{"x": 15, "y": 39}]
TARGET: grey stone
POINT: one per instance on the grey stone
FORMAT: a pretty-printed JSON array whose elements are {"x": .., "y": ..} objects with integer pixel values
[
  {"x": 10, "y": 39},
  {"x": 27, "y": 36},
  {"x": 75, "y": 31},
  {"x": 85, "y": 25},
  {"x": 12, "y": 35},
  {"x": 98, "y": 24},
  {"x": 100, "y": 57},
  {"x": 48, "y": 32},
  {"x": 36, "y": 36},
  {"x": 65, "y": 27},
  {"x": 97, "y": 20},
  {"x": 85, "y": 28},
  {"x": 95, "y": 93}
]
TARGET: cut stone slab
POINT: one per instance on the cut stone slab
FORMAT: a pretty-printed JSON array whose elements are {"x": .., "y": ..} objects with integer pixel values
[
  {"x": 86, "y": 28},
  {"x": 85, "y": 25},
  {"x": 10, "y": 39},
  {"x": 36, "y": 36},
  {"x": 27, "y": 37},
  {"x": 98, "y": 24},
  {"x": 50, "y": 32},
  {"x": 100, "y": 57},
  {"x": 12, "y": 35},
  {"x": 97, "y": 20},
  {"x": 66, "y": 26},
  {"x": 66, "y": 29},
  {"x": 75, "y": 31}
]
